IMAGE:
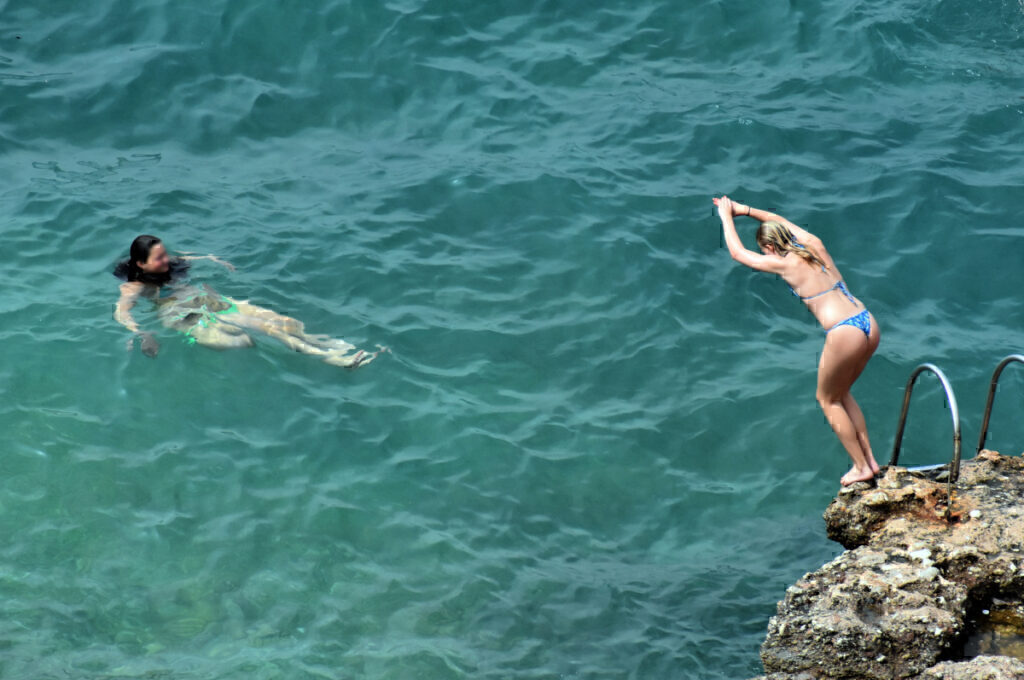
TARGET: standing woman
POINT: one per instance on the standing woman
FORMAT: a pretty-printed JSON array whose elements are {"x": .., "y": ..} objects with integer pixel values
[{"x": 851, "y": 334}]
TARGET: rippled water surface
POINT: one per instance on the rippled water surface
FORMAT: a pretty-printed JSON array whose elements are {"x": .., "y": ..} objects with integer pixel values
[{"x": 594, "y": 451}]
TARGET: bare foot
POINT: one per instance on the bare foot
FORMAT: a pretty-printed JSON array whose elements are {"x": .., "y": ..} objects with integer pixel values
[
  {"x": 857, "y": 475},
  {"x": 360, "y": 358},
  {"x": 348, "y": 360},
  {"x": 326, "y": 342},
  {"x": 874, "y": 466}
]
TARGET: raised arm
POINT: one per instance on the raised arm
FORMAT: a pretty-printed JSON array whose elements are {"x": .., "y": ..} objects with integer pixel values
[
  {"x": 763, "y": 263},
  {"x": 802, "y": 235},
  {"x": 805, "y": 237}
]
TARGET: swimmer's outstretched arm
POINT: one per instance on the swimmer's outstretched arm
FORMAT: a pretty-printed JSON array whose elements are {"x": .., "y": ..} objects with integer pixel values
[
  {"x": 212, "y": 258},
  {"x": 130, "y": 293}
]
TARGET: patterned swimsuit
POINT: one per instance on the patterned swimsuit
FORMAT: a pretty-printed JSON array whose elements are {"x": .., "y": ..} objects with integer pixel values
[{"x": 861, "y": 320}]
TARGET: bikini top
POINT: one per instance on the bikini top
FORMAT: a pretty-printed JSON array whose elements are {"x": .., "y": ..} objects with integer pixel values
[{"x": 837, "y": 285}]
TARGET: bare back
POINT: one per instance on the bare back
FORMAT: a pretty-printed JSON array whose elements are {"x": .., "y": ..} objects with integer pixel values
[{"x": 817, "y": 287}]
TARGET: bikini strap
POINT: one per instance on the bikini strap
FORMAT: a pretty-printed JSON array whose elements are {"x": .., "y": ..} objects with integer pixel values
[
  {"x": 846, "y": 291},
  {"x": 837, "y": 284}
]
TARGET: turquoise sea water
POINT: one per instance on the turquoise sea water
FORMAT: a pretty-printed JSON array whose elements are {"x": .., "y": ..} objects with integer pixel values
[{"x": 594, "y": 451}]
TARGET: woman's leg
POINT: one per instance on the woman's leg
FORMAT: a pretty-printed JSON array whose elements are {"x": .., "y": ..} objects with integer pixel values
[
  {"x": 860, "y": 426},
  {"x": 203, "y": 329},
  {"x": 851, "y": 405},
  {"x": 266, "y": 318},
  {"x": 842, "y": 357},
  {"x": 220, "y": 336},
  {"x": 292, "y": 333}
]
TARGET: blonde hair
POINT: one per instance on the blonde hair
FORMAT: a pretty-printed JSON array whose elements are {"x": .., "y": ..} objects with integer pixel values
[{"x": 782, "y": 240}]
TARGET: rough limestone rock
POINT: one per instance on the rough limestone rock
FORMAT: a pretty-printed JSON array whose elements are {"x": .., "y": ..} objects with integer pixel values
[
  {"x": 895, "y": 604},
  {"x": 982, "y": 547},
  {"x": 978, "y": 668},
  {"x": 877, "y": 613}
]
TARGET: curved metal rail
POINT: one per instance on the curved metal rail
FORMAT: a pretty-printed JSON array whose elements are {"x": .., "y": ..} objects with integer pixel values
[
  {"x": 992, "y": 396},
  {"x": 954, "y": 465}
]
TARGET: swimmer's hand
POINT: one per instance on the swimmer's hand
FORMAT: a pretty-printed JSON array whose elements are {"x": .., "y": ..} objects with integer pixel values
[
  {"x": 230, "y": 267},
  {"x": 148, "y": 344},
  {"x": 185, "y": 255}
]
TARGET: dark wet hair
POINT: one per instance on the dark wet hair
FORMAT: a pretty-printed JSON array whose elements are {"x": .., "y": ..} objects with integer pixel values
[{"x": 128, "y": 270}]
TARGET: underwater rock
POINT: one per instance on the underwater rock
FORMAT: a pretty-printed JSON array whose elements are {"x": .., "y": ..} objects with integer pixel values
[{"x": 900, "y": 602}]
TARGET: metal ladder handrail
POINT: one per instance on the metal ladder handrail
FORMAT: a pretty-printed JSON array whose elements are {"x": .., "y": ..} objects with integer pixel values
[
  {"x": 992, "y": 396},
  {"x": 954, "y": 466}
]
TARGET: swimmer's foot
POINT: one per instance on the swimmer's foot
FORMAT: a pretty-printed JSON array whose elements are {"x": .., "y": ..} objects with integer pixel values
[
  {"x": 328, "y": 343},
  {"x": 346, "y": 360},
  {"x": 857, "y": 475},
  {"x": 874, "y": 465},
  {"x": 360, "y": 358}
]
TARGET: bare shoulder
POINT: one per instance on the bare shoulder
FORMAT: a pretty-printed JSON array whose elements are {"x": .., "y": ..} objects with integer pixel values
[
  {"x": 819, "y": 249},
  {"x": 131, "y": 288},
  {"x": 763, "y": 263},
  {"x": 812, "y": 243}
]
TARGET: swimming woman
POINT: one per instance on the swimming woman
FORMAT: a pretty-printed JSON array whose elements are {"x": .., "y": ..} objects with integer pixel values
[
  {"x": 852, "y": 334},
  {"x": 205, "y": 317}
]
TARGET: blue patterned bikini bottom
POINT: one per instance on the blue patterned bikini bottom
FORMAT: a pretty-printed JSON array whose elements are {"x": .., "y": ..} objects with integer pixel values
[{"x": 861, "y": 321}]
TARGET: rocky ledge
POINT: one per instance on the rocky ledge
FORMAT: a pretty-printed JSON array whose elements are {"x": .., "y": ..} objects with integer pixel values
[{"x": 918, "y": 590}]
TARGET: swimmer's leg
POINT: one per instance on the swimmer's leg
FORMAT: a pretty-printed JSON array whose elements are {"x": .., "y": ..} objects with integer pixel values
[
  {"x": 329, "y": 343},
  {"x": 261, "y": 318},
  {"x": 334, "y": 352},
  {"x": 204, "y": 331},
  {"x": 292, "y": 334},
  {"x": 220, "y": 336},
  {"x": 354, "y": 360}
]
